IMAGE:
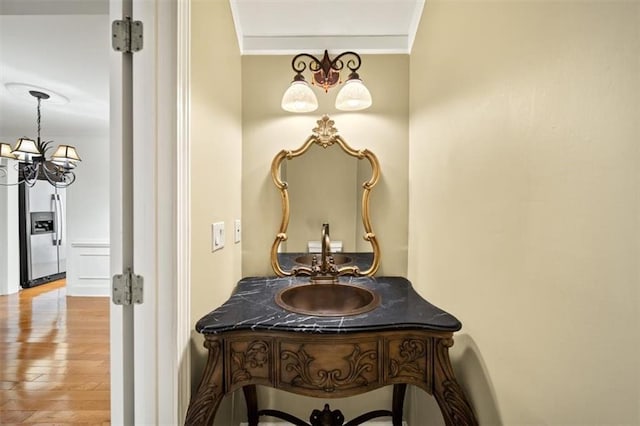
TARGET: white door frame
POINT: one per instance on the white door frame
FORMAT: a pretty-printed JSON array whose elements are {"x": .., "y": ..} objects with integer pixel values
[{"x": 156, "y": 391}]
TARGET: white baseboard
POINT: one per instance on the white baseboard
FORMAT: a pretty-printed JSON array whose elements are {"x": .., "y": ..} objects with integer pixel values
[{"x": 101, "y": 289}]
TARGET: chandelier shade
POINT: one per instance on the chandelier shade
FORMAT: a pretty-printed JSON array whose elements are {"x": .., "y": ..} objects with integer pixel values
[
  {"x": 6, "y": 151},
  {"x": 26, "y": 149},
  {"x": 65, "y": 156}
]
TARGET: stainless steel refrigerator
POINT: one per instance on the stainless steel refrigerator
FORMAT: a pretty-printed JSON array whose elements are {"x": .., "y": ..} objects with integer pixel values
[{"x": 42, "y": 233}]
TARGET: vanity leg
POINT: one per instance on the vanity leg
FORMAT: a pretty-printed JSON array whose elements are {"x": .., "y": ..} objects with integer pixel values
[
  {"x": 204, "y": 404},
  {"x": 399, "y": 391},
  {"x": 453, "y": 403},
  {"x": 251, "y": 398}
]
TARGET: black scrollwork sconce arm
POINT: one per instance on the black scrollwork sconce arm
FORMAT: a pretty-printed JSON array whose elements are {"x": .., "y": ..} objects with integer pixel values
[{"x": 326, "y": 71}]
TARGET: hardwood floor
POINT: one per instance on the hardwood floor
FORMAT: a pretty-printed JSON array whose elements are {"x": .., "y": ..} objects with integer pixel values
[{"x": 54, "y": 357}]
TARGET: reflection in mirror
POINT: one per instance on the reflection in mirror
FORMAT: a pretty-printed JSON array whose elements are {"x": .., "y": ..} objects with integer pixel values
[
  {"x": 322, "y": 188},
  {"x": 325, "y": 181}
]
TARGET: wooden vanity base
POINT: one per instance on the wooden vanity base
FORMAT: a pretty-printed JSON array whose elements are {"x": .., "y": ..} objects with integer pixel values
[{"x": 332, "y": 365}]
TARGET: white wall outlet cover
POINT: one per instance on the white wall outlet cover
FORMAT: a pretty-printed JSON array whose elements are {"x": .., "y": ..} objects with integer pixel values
[
  {"x": 237, "y": 231},
  {"x": 217, "y": 236}
]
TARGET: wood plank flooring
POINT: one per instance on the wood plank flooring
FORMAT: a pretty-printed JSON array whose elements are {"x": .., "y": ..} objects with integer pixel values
[{"x": 54, "y": 357}]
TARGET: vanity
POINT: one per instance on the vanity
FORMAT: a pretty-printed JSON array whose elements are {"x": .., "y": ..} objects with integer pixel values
[{"x": 326, "y": 327}]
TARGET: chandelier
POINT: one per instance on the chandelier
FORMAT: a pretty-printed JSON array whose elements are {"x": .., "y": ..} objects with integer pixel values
[
  {"x": 353, "y": 96},
  {"x": 31, "y": 155}
]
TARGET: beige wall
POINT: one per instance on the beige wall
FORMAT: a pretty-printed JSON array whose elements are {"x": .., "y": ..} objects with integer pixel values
[
  {"x": 216, "y": 147},
  {"x": 384, "y": 129},
  {"x": 267, "y": 129},
  {"x": 524, "y": 209}
]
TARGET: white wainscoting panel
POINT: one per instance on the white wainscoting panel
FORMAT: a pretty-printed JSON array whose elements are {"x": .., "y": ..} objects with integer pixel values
[{"x": 88, "y": 269}]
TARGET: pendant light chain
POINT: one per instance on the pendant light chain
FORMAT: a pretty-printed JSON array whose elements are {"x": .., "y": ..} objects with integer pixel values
[{"x": 38, "y": 122}]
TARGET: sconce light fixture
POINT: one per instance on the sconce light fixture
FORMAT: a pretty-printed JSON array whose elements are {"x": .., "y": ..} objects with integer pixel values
[
  {"x": 353, "y": 96},
  {"x": 58, "y": 170}
]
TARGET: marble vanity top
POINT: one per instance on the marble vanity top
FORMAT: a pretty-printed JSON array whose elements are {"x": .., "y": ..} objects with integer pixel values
[{"x": 252, "y": 307}]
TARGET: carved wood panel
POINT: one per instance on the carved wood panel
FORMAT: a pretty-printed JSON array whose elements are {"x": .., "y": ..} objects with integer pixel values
[
  {"x": 249, "y": 361},
  {"x": 408, "y": 361},
  {"x": 330, "y": 370}
]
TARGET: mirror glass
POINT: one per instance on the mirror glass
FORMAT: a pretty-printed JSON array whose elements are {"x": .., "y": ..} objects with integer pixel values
[
  {"x": 323, "y": 188},
  {"x": 324, "y": 185}
]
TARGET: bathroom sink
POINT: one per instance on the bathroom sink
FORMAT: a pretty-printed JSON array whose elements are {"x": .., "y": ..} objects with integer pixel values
[
  {"x": 327, "y": 299},
  {"x": 338, "y": 259}
]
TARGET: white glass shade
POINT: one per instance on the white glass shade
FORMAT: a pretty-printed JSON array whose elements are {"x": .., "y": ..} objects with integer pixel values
[
  {"x": 353, "y": 96},
  {"x": 65, "y": 164},
  {"x": 299, "y": 98},
  {"x": 5, "y": 151}
]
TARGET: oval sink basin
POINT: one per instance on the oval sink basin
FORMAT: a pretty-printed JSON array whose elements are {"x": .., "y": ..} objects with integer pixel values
[
  {"x": 338, "y": 259},
  {"x": 327, "y": 299}
]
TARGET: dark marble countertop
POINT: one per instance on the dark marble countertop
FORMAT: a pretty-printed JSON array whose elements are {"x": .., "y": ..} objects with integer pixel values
[{"x": 252, "y": 307}]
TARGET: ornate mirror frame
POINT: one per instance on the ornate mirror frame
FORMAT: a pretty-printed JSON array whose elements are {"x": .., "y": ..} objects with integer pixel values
[{"x": 325, "y": 135}]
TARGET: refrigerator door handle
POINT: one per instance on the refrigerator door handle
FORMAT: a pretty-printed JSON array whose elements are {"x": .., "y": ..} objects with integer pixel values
[
  {"x": 54, "y": 203},
  {"x": 57, "y": 209},
  {"x": 61, "y": 219}
]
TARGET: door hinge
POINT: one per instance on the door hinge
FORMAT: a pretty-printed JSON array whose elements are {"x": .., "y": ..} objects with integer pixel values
[
  {"x": 126, "y": 35},
  {"x": 127, "y": 288}
]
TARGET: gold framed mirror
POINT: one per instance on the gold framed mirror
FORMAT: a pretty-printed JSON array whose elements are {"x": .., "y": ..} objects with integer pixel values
[{"x": 320, "y": 186}]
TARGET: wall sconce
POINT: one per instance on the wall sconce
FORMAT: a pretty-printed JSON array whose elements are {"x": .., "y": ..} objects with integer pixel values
[
  {"x": 299, "y": 97},
  {"x": 31, "y": 154}
]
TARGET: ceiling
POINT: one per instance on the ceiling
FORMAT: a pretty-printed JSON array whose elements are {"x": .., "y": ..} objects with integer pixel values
[
  {"x": 62, "y": 46},
  {"x": 292, "y": 26}
]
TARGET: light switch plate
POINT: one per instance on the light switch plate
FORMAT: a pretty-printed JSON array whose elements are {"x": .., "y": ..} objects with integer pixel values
[
  {"x": 237, "y": 231},
  {"x": 217, "y": 236}
]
